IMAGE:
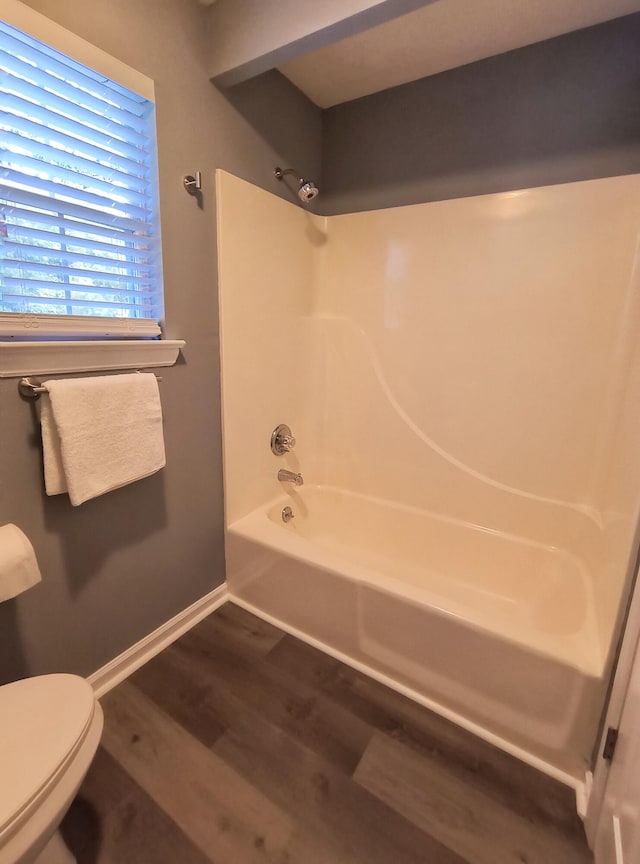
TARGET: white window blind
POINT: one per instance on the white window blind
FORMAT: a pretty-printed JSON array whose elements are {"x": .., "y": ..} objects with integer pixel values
[{"x": 79, "y": 221}]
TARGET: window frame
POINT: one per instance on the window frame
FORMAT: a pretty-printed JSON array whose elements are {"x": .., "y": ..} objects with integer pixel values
[{"x": 32, "y": 327}]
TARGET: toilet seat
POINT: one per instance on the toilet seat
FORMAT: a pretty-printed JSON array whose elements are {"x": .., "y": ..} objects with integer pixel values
[{"x": 43, "y": 723}]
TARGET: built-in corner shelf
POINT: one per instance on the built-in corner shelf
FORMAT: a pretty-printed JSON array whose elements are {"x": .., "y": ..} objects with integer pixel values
[{"x": 42, "y": 358}]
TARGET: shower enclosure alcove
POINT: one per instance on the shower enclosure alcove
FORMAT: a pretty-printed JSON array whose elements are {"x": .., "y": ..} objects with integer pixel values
[{"x": 463, "y": 382}]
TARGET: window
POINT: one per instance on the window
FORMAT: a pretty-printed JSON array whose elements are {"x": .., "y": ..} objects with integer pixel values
[{"x": 79, "y": 218}]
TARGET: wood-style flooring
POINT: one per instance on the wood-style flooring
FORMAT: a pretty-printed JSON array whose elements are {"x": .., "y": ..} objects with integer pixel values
[{"x": 239, "y": 744}]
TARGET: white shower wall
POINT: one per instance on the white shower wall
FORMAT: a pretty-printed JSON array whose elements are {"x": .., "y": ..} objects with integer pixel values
[
  {"x": 474, "y": 357},
  {"x": 268, "y": 270}
]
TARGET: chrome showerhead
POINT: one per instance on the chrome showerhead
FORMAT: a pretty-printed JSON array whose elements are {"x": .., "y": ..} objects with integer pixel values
[{"x": 307, "y": 190}]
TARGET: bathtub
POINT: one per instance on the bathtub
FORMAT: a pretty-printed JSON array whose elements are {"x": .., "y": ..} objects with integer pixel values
[{"x": 492, "y": 630}]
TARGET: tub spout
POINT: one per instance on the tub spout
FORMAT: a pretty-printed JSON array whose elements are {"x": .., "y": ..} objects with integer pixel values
[{"x": 290, "y": 477}]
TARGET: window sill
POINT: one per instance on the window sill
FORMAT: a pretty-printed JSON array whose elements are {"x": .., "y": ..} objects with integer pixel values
[{"x": 42, "y": 358}]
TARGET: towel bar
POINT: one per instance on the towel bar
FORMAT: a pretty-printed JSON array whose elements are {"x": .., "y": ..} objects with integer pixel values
[{"x": 30, "y": 388}]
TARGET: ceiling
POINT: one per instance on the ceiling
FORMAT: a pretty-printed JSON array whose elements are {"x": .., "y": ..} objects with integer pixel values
[{"x": 439, "y": 36}]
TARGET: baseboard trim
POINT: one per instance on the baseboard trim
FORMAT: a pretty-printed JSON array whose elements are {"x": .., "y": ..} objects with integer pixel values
[
  {"x": 583, "y": 794},
  {"x": 137, "y": 655}
]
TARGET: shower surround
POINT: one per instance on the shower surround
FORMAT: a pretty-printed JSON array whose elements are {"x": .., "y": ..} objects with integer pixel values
[{"x": 463, "y": 381}]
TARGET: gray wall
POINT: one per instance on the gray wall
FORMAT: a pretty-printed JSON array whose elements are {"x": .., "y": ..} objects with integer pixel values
[
  {"x": 119, "y": 566},
  {"x": 558, "y": 111}
]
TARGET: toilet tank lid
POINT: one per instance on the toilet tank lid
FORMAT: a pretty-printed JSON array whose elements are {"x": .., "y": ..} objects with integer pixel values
[{"x": 42, "y": 722}]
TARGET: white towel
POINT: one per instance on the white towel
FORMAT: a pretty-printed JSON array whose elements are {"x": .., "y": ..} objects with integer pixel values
[
  {"x": 18, "y": 564},
  {"x": 100, "y": 433}
]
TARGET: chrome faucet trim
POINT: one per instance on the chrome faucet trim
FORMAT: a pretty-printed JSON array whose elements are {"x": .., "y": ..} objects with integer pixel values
[
  {"x": 282, "y": 440},
  {"x": 287, "y": 514},
  {"x": 290, "y": 477}
]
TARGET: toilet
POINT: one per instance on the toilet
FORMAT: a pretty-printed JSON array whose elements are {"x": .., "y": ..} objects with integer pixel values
[{"x": 50, "y": 728}]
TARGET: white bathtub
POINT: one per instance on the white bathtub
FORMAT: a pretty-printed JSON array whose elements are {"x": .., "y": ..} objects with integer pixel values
[{"x": 492, "y": 630}]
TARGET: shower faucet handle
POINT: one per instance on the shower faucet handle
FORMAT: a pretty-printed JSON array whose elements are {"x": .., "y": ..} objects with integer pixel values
[{"x": 282, "y": 441}]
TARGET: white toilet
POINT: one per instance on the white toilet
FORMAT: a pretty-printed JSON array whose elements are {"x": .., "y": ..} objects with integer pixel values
[{"x": 50, "y": 728}]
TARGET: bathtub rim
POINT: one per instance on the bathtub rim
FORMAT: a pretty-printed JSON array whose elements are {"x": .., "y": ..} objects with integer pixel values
[{"x": 298, "y": 547}]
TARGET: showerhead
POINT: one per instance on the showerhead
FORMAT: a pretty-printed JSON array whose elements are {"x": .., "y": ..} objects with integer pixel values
[{"x": 307, "y": 190}]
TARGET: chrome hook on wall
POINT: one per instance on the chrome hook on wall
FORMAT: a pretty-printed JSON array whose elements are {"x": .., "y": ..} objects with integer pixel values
[{"x": 192, "y": 182}]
